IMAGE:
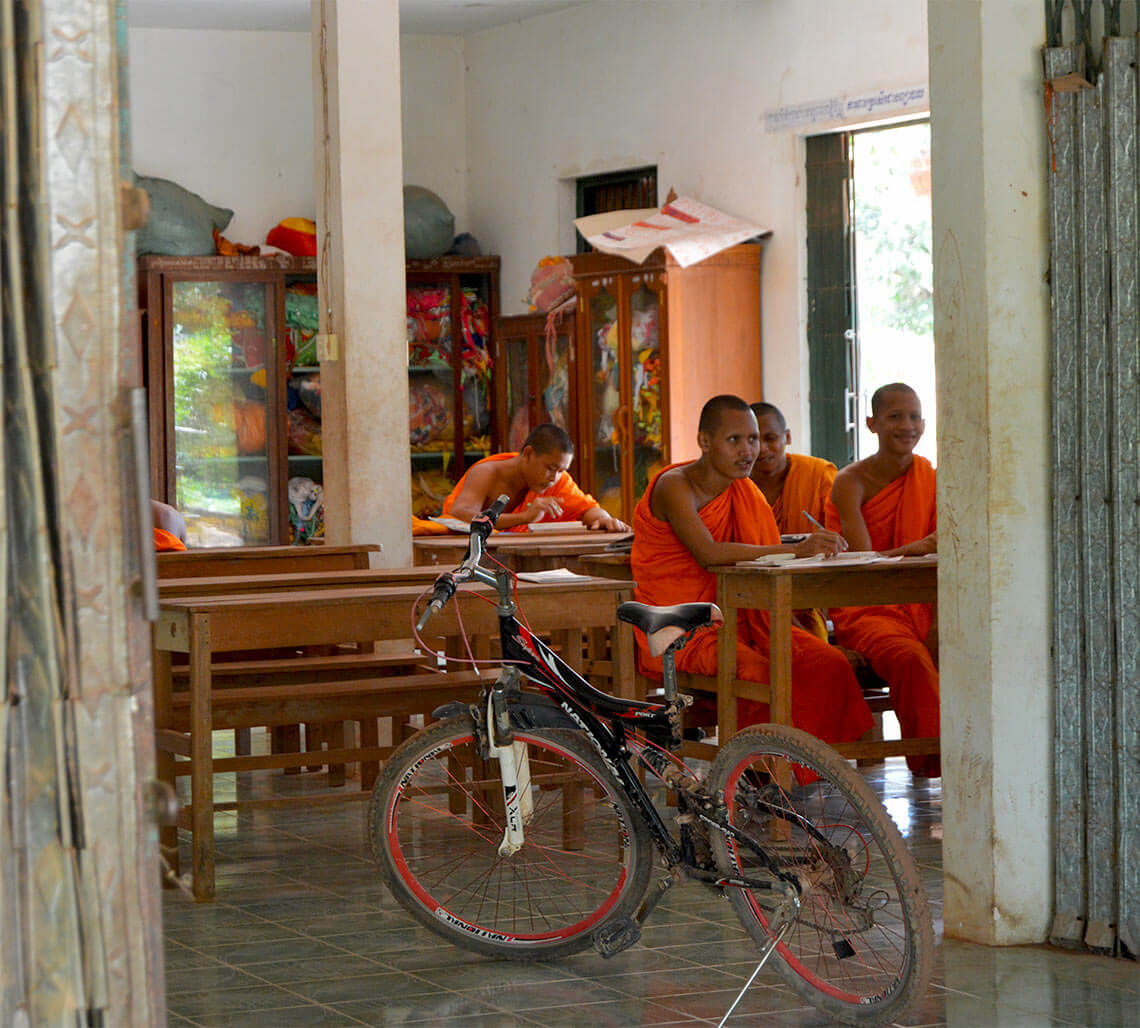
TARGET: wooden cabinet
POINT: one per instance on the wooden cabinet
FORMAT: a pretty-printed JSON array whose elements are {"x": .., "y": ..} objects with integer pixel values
[
  {"x": 653, "y": 342},
  {"x": 534, "y": 378},
  {"x": 233, "y": 386},
  {"x": 450, "y": 371}
]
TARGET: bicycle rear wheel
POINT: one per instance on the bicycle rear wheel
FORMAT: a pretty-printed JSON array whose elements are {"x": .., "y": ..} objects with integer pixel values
[
  {"x": 861, "y": 947},
  {"x": 436, "y": 821}
]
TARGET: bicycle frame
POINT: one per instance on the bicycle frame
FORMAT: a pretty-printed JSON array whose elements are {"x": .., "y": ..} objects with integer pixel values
[{"x": 603, "y": 718}]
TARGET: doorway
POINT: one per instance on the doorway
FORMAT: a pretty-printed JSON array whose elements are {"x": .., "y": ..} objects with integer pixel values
[
  {"x": 870, "y": 294},
  {"x": 894, "y": 309}
]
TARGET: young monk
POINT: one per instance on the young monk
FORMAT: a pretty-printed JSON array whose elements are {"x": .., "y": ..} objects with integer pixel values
[
  {"x": 708, "y": 512},
  {"x": 795, "y": 485},
  {"x": 792, "y": 483},
  {"x": 537, "y": 482},
  {"x": 885, "y": 502}
]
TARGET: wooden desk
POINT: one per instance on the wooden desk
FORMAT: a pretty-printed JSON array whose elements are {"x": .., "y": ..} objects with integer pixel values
[
  {"x": 449, "y": 550},
  {"x": 266, "y": 560},
  {"x": 785, "y": 588},
  {"x": 202, "y": 626},
  {"x": 606, "y": 565},
  {"x": 300, "y": 578}
]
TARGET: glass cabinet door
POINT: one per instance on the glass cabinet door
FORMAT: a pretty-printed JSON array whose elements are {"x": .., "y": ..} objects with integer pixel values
[
  {"x": 514, "y": 367},
  {"x": 554, "y": 380},
  {"x": 605, "y": 397},
  {"x": 222, "y": 350},
  {"x": 645, "y": 372}
]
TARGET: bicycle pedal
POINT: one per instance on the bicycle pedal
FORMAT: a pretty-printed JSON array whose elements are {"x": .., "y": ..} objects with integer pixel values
[
  {"x": 843, "y": 949},
  {"x": 617, "y": 936}
]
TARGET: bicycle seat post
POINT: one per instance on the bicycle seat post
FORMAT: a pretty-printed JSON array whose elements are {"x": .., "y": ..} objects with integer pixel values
[{"x": 669, "y": 673}]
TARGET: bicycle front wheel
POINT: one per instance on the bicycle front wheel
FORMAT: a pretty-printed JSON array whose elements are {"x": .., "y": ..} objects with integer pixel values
[
  {"x": 861, "y": 946},
  {"x": 437, "y": 823}
]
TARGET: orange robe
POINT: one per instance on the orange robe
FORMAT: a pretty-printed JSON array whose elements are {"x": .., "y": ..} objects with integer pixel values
[
  {"x": 165, "y": 541},
  {"x": 806, "y": 487},
  {"x": 826, "y": 699},
  {"x": 565, "y": 490},
  {"x": 893, "y": 639}
]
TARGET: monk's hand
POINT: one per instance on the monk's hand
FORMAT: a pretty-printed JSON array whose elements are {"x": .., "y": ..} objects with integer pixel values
[
  {"x": 543, "y": 508},
  {"x": 924, "y": 546},
  {"x": 606, "y": 523},
  {"x": 827, "y": 543}
]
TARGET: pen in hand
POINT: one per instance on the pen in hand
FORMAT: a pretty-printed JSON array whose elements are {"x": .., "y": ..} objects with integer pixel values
[{"x": 821, "y": 527}]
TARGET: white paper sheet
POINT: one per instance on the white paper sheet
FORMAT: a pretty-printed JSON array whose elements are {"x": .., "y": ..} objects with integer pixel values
[{"x": 687, "y": 228}]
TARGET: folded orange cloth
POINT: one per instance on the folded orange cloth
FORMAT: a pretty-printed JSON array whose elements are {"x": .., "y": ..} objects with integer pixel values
[
  {"x": 574, "y": 501},
  {"x": 165, "y": 541},
  {"x": 826, "y": 699},
  {"x": 423, "y": 526}
]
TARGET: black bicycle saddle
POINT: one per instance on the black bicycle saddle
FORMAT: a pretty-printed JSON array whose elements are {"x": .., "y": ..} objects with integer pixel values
[{"x": 679, "y": 619}]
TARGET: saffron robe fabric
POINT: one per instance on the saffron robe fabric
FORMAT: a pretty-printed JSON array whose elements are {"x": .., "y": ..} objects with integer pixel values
[
  {"x": 826, "y": 699},
  {"x": 893, "y": 638},
  {"x": 165, "y": 541},
  {"x": 807, "y": 486},
  {"x": 565, "y": 490}
]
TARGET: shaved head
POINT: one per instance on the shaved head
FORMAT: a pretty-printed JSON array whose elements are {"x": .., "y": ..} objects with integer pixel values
[
  {"x": 549, "y": 438},
  {"x": 879, "y": 394},
  {"x": 762, "y": 409},
  {"x": 711, "y": 411}
]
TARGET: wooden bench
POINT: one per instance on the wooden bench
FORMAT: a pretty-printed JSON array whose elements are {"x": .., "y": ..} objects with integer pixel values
[
  {"x": 247, "y": 560},
  {"x": 332, "y": 687}
]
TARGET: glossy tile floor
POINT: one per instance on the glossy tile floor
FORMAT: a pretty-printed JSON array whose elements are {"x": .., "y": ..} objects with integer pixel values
[{"x": 304, "y": 933}]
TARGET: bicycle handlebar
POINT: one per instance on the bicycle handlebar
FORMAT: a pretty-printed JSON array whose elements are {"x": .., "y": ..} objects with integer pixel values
[{"x": 445, "y": 584}]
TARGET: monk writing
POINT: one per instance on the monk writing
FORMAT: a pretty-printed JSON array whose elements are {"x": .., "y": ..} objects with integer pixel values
[
  {"x": 796, "y": 487},
  {"x": 536, "y": 480},
  {"x": 709, "y": 512},
  {"x": 886, "y": 502}
]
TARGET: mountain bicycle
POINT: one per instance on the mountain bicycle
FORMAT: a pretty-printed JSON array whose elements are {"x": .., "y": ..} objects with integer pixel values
[{"x": 519, "y": 827}]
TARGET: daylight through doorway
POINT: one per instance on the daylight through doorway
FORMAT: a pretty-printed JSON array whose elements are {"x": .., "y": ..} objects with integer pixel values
[{"x": 893, "y": 271}]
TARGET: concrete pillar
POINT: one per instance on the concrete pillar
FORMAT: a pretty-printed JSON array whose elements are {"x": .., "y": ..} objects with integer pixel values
[
  {"x": 360, "y": 233},
  {"x": 991, "y": 327}
]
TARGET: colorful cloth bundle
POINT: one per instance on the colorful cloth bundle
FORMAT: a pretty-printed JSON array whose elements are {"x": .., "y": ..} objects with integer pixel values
[{"x": 429, "y": 328}]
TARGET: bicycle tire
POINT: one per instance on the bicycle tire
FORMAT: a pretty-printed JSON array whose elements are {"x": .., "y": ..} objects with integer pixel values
[
  {"x": 585, "y": 862},
  {"x": 859, "y": 965}
]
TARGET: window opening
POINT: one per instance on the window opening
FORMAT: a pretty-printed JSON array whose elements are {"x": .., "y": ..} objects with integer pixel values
[{"x": 633, "y": 189}]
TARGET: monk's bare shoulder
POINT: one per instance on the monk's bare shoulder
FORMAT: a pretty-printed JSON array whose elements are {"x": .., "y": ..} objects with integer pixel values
[
  {"x": 850, "y": 484},
  {"x": 672, "y": 490}
]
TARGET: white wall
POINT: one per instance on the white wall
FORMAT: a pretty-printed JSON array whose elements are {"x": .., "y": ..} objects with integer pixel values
[
  {"x": 228, "y": 115},
  {"x": 432, "y": 84},
  {"x": 683, "y": 85}
]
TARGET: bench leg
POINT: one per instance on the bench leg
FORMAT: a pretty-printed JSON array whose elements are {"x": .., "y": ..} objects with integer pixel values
[
  {"x": 287, "y": 739},
  {"x": 333, "y": 733},
  {"x": 369, "y": 736}
]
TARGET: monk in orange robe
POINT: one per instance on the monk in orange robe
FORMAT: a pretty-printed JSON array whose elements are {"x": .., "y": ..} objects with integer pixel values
[
  {"x": 537, "y": 482},
  {"x": 795, "y": 486},
  {"x": 708, "y": 512},
  {"x": 886, "y": 502}
]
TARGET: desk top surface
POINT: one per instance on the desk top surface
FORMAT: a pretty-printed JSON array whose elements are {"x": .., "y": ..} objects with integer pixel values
[
  {"x": 299, "y": 579},
  {"x": 513, "y": 540},
  {"x": 798, "y": 568},
  {"x": 395, "y": 593}
]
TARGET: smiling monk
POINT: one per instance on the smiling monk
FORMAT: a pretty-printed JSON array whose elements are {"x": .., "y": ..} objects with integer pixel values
[
  {"x": 886, "y": 502},
  {"x": 707, "y": 512}
]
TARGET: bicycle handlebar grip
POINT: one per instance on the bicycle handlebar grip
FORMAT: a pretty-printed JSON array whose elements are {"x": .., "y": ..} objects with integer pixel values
[
  {"x": 443, "y": 591},
  {"x": 483, "y": 524}
]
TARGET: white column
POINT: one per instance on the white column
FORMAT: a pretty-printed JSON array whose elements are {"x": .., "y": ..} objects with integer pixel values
[
  {"x": 360, "y": 232},
  {"x": 991, "y": 326}
]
